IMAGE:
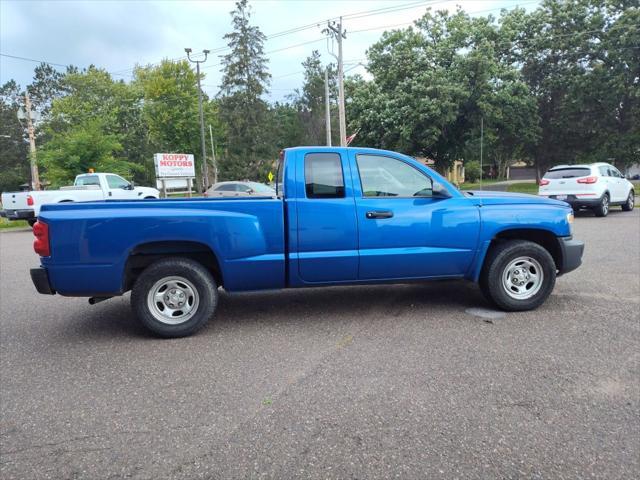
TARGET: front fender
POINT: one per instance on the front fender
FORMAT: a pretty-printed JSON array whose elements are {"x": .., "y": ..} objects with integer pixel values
[{"x": 497, "y": 219}]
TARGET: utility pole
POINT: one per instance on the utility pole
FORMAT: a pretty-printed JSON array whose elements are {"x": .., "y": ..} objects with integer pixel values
[
  {"x": 481, "y": 142},
  {"x": 336, "y": 31},
  {"x": 213, "y": 153},
  {"x": 204, "y": 153},
  {"x": 327, "y": 106},
  {"x": 35, "y": 177}
]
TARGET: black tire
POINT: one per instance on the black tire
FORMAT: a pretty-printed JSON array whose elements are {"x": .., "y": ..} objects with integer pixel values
[
  {"x": 602, "y": 210},
  {"x": 629, "y": 204},
  {"x": 499, "y": 258},
  {"x": 201, "y": 281},
  {"x": 149, "y": 198},
  {"x": 32, "y": 222}
]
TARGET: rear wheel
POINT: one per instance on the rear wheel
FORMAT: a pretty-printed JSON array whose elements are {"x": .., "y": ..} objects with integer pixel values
[
  {"x": 518, "y": 275},
  {"x": 174, "y": 297},
  {"x": 32, "y": 221},
  {"x": 629, "y": 204},
  {"x": 602, "y": 210}
]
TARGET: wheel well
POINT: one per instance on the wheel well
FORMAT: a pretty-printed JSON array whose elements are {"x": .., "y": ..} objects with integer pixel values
[
  {"x": 145, "y": 254},
  {"x": 544, "y": 238}
]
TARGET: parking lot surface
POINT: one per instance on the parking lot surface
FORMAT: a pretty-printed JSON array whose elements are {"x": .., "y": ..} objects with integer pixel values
[{"x": 403, "y": 381}]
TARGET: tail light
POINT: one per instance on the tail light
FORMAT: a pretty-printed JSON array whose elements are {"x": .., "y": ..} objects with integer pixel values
[
  {"x": 30, "y": 200},
  {"x": 41, "y": 243},
  {"x": 544, "y": 182},
  {"x": 587, "y": 180}
]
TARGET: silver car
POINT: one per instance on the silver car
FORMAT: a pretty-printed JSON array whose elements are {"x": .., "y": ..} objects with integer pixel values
[{"x": 240, "y": 189}]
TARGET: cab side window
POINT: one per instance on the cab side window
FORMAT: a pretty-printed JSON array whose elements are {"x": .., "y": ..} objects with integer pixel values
[
  {"x": 323, "y": 176},
  {"x": 382, "y": 176},
  {"x": 114, "y": 181},
  {"x": 88, "y": 180}
]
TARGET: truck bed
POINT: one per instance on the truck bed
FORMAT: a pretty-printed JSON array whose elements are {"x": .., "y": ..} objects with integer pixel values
[{"x": 92, "y": 242}]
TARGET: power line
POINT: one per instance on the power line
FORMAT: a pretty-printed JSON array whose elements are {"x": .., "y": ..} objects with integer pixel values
[
  {"x": 318, "y": 23},
  {"x": 32, "y": 60}
]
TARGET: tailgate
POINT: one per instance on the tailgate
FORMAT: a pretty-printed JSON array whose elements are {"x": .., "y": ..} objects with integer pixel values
[
  {"x": 564, "y": 181},
  {"x": 15, "y": 201}
]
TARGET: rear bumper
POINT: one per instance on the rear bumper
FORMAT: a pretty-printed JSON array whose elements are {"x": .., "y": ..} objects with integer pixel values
[
  {"x": 40, "y": 280},
  {"x": 576, "y": 202},
  {"x": 572, "y": 251},
  {"x": 17, "y": 214}
]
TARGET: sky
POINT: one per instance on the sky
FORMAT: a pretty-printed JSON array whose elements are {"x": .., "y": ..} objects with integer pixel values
[{"x": 117, "y": 35}]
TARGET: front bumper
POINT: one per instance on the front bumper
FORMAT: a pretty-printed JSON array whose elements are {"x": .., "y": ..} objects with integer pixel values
[
  {"x": 40, "y": 279},
  {"x": 17, "y": 214},
  {"x": 572, "y": 251}
]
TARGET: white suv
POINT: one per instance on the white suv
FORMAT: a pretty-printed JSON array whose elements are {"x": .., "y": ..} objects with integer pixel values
[{"x": 596, "y": 186}]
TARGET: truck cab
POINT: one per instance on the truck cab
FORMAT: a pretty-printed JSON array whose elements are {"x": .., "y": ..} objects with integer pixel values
[{"x": 359, "y": 216}]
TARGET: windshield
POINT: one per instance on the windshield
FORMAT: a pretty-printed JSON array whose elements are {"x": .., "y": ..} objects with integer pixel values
[{"x": 567, "y": 173}]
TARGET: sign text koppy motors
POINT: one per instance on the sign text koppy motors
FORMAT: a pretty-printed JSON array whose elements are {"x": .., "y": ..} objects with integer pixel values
[{"x": 174, "y": 165}]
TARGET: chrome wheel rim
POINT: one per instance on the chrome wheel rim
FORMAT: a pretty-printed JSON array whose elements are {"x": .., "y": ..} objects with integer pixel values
[
  {"x": 173, "y": 300},
  {"x": 630, "y": 201},
  {"x": 522, "y": 278},
  {"x": 605, "y": 204}
]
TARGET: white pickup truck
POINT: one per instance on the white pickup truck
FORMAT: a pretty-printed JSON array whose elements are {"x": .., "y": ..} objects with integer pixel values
[{"x": 86, "y": 188}]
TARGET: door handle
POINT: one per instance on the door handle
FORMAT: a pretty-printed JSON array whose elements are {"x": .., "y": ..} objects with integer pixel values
[{"x": 379, "y": 214}]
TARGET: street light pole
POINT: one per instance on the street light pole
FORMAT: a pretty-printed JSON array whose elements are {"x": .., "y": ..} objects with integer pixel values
[{"x": 204, "y": 152}]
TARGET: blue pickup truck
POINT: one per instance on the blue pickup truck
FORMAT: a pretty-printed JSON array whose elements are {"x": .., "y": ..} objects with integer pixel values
[{"x": 341, "y": 216}]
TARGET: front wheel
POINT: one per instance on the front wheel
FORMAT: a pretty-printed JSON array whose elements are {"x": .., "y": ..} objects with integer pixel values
[
  {"x": 628, "y": 205},
  {"x": 602, "y": 210},
  {"x": 518, "y": 275},
  {"x": 174, "y": 297}
]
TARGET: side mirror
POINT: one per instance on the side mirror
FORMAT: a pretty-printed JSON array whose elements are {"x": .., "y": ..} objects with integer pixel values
[{"x": 439, "y": 191}]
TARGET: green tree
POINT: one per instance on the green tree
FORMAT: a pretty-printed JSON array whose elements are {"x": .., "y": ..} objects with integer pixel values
[
  {"x": 14, "y": 163},
  {"x": 431, "y": 86},
  {"x": 472, "y": 171},
  {"x": 580, "y": 59},
  {"x": 169, "y": 99},
  {"x": 245, "y": 114},
  {"x": 95, "y": 106},
  {"x": 310, "y": 100},
  {"x": 80, "y": 148}
]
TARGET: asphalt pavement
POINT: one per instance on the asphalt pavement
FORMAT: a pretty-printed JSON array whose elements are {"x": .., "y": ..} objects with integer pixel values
[{"x": 404, "y": 381}]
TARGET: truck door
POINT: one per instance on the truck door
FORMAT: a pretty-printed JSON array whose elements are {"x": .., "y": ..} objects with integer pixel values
[
  {"x": 405, "y": 232},
  {"x": 118, "y": 188},
  {"x": 327, "y": 230}
]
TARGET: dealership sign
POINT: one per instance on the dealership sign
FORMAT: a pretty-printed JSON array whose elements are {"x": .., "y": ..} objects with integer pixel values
[{"x": 174, "y": 165}]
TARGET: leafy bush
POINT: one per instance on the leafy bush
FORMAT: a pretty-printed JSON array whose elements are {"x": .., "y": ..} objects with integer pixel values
[{"x": 471, "y": 171}]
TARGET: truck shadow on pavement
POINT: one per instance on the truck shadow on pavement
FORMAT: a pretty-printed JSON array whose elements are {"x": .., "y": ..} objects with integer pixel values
[{"x": 329, "y": 305}]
